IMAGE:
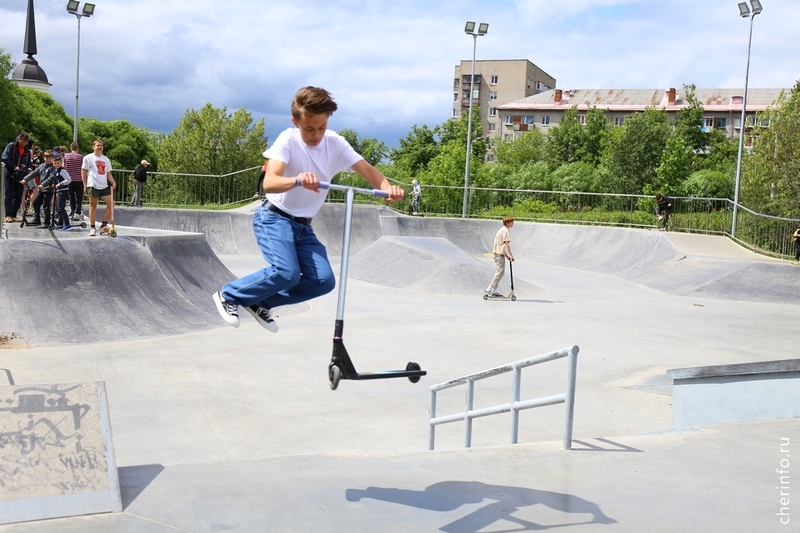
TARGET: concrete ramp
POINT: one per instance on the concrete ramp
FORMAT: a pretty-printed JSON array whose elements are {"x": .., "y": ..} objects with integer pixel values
[
  {"x": 79, "y": 290},
  {"x": 427, "y": 264},
  {"x": 673, "y": 263}
]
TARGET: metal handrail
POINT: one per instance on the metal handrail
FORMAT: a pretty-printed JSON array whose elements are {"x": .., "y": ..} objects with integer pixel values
[
  {"x": 516, "y": 405},
  {"x": 4, "y": 233}
]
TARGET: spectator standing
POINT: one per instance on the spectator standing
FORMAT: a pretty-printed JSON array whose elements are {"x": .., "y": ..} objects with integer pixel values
[
  {"x": 72, "y": 163},
  {"x": 98, "y": 182},
  {"x": 17, "y": 157},
  {"x": 139, "y": 179}
]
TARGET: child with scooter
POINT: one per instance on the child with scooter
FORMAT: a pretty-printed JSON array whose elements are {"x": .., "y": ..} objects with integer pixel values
[{"x": 501, "y": 250}]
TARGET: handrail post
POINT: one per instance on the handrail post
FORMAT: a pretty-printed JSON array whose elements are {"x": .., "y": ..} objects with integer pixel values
[
  {"x": 467, "y": 419},
  {"x": 569, "y": 400},
  {"x": 516, "y": 384},
  {"x": 431, "y": 427},
  {"x": 3, "y": 205}
]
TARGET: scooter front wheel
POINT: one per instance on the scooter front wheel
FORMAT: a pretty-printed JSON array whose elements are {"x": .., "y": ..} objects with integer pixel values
[{"x": 413, "y": 366}]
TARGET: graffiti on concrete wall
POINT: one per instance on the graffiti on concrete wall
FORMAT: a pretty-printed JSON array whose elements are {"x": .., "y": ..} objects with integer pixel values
[{"x": 51, "y": 441}]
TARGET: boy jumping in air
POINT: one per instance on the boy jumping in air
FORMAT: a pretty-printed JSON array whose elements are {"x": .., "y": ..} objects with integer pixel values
[{"x": 299, "y": 160}]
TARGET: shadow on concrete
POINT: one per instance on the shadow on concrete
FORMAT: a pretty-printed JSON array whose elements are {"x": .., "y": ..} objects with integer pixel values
[
  {"x": 134, "y": 479},
  {"x": 607, "y": 446},
  {"x": 450, "y": 495},
  {"x": 8, "y": 376}
]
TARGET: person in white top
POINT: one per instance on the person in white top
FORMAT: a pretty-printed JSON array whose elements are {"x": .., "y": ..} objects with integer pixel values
[
  {"x": 98, "y": 183},
  {"x": 299, "y": 160}
]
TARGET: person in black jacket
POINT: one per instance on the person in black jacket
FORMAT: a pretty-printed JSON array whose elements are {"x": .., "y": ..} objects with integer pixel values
[
  {"x": 139, "y": 179},
  {"x": 663, "y": 209},
  {"x": 43, "y": 196},
  {"x": 17, "y": 157}
]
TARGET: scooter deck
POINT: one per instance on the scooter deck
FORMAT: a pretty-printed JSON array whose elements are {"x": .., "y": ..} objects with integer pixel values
[{"x": 341, "y": 367}]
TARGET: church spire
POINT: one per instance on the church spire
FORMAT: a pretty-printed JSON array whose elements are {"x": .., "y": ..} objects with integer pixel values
[
  {"x": 29, "y": 73},
  {"x": 29, "y": 47}
]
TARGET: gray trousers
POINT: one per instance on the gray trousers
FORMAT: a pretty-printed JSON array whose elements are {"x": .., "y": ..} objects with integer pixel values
[{"x": 137, "y": 194}]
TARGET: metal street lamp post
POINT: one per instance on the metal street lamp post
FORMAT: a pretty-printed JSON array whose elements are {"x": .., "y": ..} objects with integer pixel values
[
  {"x": 469, "y": 29},
  {"x": 745, "y": 12},
  {"x": 88, "y": 11}
]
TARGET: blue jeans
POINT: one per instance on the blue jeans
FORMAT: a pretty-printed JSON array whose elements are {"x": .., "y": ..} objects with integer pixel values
[{"x": 299, "y": 268}]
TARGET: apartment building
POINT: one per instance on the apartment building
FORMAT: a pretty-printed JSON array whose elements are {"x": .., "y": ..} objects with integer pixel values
[
  {"x": 496, "y": 82},
  {"x": 722, "y": 107}
]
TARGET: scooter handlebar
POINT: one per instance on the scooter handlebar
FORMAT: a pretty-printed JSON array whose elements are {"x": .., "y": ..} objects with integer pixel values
[{"x": 333, "y": 186}]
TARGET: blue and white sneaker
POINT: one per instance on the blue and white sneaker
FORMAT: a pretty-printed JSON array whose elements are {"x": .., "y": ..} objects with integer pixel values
[
  {"x": 228, "y": 311},
  {"x": 263, "y": 316},
  {"x": 66, "y": 228}
]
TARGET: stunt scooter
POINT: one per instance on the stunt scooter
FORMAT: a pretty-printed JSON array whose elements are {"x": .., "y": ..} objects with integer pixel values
[
  {"x": 510, "y": 294},
  {"x": 112, "y": 231},
  {"x": 341, "y": 366}
]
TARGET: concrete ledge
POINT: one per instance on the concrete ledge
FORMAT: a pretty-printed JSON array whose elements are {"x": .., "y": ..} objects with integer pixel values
[
  {"x": 746, "y": 392},
  {"x": 741, "y": 369}
]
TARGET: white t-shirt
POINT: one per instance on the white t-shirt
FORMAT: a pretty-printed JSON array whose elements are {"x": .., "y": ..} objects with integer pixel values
[
  {"x": 332, "y": 155},
  {"x": 97, "y": 169}
]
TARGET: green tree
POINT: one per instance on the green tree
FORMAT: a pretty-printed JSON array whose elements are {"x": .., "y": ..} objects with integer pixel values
[
  {"x": 527, "y": 148},
  {"x": 675, "y": 166},
  {"x": 770, "y": 181},
  {"x": 689, "y": 121},
  {"x": 635, "y": 152},
  {"x": 372, "y": 150},
  {"x": 720, "y": 154},
  {"x": 416, "y": 150},
  {"x": 212, "y": 141},
  {"x": 10, "y": 125},
  {"x": 125, "y": 144},
  {"x": 575, "y": 177},
  {"x": 565, "y": 141},
  {"x": 709, "y": 184},
  {"x": 533, "y": 176},
  {"x": 455, "y": 130},
  {"x": 43, "y": 118},
  {"x": 597, "y": 132}
]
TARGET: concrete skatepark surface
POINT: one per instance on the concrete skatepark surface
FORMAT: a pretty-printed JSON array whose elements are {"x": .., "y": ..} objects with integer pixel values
[{"x": 222, "y": 429}]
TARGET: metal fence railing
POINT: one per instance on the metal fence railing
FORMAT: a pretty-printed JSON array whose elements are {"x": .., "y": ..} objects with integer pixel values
[
  {"x": 761, "y": 233},
  {"x": 204, "y": 191},
  {"x": 516, "y": 405}
]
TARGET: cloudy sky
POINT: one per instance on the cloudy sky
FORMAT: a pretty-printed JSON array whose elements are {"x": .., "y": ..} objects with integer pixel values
[{"x": 388, "y": 64}]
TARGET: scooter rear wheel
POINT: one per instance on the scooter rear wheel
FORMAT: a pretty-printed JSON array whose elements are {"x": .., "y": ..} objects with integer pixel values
[{"x": 334, "y": 375}]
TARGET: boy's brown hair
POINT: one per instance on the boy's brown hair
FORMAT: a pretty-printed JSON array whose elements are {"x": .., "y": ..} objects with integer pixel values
[
  {"x": 312, "y": 101},
  {"x": 508, "y": 219}
]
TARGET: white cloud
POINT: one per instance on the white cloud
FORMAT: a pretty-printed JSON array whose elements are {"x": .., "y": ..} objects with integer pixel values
[{"x": 389, "y": 64}]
